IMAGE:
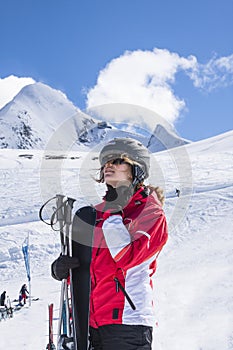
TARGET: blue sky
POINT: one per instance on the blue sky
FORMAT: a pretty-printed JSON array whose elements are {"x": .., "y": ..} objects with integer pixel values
[{"x": 174, "y": 57}]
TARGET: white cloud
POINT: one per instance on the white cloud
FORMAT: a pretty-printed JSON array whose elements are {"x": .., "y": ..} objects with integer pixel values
[
  {"x": 143, "y": 78},
  {"x": 146, "y": 78},
  {"x": 10, "y": 86},
  {"x": 217, "y": 73}
]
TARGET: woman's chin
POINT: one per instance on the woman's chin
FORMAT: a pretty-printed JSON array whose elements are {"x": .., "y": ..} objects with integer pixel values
[{"x": 110, "y": 182}]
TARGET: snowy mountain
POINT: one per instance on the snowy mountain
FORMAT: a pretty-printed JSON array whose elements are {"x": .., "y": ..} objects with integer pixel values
[
  {"x": 40, "y": 117},
  {"x": 32, "y": 117},
  {"x": 163, "y": 139},
  {"x": 193, "y": 284}
]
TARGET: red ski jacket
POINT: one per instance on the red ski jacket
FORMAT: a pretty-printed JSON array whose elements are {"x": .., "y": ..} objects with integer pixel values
[{"x": 123, "y": 261}]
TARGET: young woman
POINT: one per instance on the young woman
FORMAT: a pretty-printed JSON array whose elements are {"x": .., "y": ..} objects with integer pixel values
[{"x": 129, "y": 233}]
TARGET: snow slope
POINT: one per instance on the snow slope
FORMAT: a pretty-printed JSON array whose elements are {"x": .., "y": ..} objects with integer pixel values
[{"x": 193, "y": 284}]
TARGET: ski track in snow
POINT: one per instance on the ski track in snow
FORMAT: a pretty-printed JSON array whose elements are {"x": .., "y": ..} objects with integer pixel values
[{"x": 193, "y": 284}]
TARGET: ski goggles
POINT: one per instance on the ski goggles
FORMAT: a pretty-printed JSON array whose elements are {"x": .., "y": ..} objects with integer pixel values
[{"x": 117, "y": 161}]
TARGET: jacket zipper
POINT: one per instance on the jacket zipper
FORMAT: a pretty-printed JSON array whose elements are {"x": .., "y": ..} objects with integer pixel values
[{"x": 119, "y": 286}]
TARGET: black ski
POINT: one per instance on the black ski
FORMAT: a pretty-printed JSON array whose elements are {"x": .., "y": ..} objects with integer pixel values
[{"x": 82, "y": 235}]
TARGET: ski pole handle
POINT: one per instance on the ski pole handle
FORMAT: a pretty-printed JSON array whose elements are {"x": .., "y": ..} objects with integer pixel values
[
  {"x": 60, "y": 205},
  {"x": 68, "y": 210}
]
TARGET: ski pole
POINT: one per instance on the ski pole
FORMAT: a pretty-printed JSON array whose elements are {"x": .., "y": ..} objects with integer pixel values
[
  {"x": 61, "y": 202},
  {"x": 64, "y": 215},
  {"x": 50, "y": 345}
]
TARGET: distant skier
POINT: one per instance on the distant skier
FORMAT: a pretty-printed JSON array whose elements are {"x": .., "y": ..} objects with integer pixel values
[
  {"x": 3, "y": 298},
  {"x": 177, "y": 192},
  {"x": 9, "y": 307},
  {"x": 23, "y": 294}
]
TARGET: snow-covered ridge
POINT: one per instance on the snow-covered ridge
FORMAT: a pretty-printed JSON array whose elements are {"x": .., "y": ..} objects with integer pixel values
[{"x": 39, "y": 114}]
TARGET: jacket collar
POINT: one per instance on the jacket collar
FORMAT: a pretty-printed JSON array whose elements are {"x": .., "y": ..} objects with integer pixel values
[{"x": 138, "y": 198}]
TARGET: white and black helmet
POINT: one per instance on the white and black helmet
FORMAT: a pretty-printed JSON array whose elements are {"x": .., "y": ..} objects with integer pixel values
[{"x": 128, "y": 147}]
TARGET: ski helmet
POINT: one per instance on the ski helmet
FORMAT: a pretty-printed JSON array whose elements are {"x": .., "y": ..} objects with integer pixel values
[{"x": 128, "y": 147}]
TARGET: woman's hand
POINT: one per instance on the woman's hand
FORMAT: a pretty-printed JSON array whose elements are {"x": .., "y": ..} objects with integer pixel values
[{"x": 61, "y": 266}]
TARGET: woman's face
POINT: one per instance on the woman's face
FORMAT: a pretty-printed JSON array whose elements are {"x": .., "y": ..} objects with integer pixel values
[{"x": 116, "y": 172}]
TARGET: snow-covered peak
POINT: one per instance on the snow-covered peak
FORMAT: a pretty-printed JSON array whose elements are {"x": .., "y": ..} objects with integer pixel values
[
  {"x": 39, "y": 97},
  {"x": 163, "y": 139},
  {"x": 36, "y": 112}
]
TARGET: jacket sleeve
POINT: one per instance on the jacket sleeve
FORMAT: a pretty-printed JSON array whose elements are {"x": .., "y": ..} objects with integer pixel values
[{"x": 144, "y": 240}]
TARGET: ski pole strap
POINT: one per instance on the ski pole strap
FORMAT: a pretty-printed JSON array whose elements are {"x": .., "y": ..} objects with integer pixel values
[
  {"x": 42, "y": 208},
  {"x": 62, "y": 213}
]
